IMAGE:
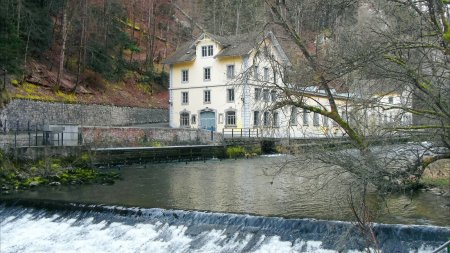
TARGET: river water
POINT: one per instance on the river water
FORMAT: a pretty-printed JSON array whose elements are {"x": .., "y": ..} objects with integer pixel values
[{"x": 228, "y": 191}]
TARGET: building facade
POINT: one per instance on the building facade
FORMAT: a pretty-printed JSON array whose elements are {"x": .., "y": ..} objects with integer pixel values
[{"x": 219, "y": 83}]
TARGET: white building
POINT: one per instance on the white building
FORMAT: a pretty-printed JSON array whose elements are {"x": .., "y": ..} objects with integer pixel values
[{"x": 221, "y": 83}]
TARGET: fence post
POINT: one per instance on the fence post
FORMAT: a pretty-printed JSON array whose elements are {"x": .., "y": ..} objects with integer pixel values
[
  {"x": 15, "y": 134},
  {"x": 212, "y": 135},
  {"x": 29, "y": 134},
  {"x": 62, "y": 138},
  {"x": 36, "y": 138},
  {"x": 232, "y": 133},
  {"x": 241, "y": 132}
]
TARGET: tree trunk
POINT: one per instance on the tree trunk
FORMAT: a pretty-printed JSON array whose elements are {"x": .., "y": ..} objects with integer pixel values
[
  {"x": 237, "y": 16},
  {"x": 81, "y": 48},
  {"x": 19, "y": 11},
  {"x": 63, "y": 49}
]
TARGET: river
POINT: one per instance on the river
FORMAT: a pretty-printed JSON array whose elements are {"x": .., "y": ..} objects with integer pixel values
[{"x": 230, "y": 191}]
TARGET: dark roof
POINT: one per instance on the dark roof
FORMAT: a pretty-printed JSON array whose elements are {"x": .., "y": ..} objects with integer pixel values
[
  {"x": 184, "y": 53},
  {"x": 236, "y": 45}
]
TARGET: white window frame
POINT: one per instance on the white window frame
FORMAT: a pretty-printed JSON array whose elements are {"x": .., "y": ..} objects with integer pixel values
[
  {"x": 230, "y": 95},
  {"x": 230, "y": 71},
  {"x": 205, "y": 70},
  {"x": 207, "y": 96},
  {"x": 293, "y": 118},
  {"x": 256, "y": 118},
  {"x": 275, "y": 119},
  {"x": 316, "y": 119},
  {"x": 184, "y": 75},
  {"x": 305, "y": 117},
  {"x": 273, "y": 95},
  {"x": 228, "y": 118},
  {"x": 258, "y": 93},
  {"x": 266, "y": 95},
  {"x": 266, "y": 74},
  {"x": 256, "y": 72},
  {"x": 207, "y": 51},
  {"x": 184, "y": 97},
  {"x": 266, "y": 119},
  {"x": 184, "y": 120}
]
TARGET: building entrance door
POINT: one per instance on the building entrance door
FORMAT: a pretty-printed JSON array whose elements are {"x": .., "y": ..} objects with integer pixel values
[{"x": 208, "y": 121}]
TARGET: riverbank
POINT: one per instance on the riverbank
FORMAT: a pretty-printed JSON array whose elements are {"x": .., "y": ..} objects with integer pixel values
[
  {"x": 18, "y": 176},
  {"x": 436, "y": 178}
]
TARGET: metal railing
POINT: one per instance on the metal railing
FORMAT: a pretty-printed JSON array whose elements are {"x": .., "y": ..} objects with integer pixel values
[
  {"x": 38, "y": 135},
  {"x": 241, "y": 133}
]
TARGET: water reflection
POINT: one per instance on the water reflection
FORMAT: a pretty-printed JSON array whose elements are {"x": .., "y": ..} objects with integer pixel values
[{"x": 255, "y": 186}]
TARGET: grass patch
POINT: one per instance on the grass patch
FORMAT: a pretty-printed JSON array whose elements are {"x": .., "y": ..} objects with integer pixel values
[
  {"x": 66, "y": 97},
  {"x": 436, "y": 182}
]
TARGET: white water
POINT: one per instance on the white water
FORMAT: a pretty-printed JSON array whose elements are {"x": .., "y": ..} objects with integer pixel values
[{"x": 37, "y": 232}]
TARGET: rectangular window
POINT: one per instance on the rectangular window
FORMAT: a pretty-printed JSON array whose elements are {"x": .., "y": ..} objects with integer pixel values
[
  {"x": 316, "y": 119},
  {"x": 207, "y": 96},
  {"x": 273, "y": 96},
  {"x": 256, "y": 118},
  {"x": 185, "y": 76},
  {"x": 266, "y": 96},
  {"x": 231, "y": 118},
  {"x": 266, "y": 74},
  {"x": 207, "y": 51},
  {"x": 230, "y": 95},
  {"x": 305, "y": 117},
  {"x": 207, "y": 74},
  {"x": 391, "y": 100},
  {"x": 230, "y": 71},
  {"x": 184, "y": 119},
  {"x": 293, "y": 118},
  {"x": 257, "y": 94},
  {"x": 266, "y": 118},
  {"x": 275, "y": 119},
  {"x": 210, "y": 50},
  {"x": 325, "y": 121},
  {"x": 255, "y": 72},
  {"x": 184, "y": 98}
]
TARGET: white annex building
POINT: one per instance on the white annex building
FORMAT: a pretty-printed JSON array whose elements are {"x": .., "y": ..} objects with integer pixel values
[{"x": 221, "y": 83}]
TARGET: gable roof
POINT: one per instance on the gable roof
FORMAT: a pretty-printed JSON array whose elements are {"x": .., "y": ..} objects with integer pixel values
[
  {"x": 236, "y": 45},
  {"x": 185, "y": 53}
]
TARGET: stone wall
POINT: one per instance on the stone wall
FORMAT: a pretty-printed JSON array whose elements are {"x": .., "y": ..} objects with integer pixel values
[
  {"x": 133, "y": 137},
  {"x": 45, "y": 113}
]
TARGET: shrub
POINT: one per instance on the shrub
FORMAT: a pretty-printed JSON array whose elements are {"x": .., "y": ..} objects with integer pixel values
[
  {"x": 94, "y": 80},
  {"x": 235, "y": 152}
]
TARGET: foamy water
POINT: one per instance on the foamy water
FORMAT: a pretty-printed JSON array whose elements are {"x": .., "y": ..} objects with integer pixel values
[{"x": 156, "y": 230}]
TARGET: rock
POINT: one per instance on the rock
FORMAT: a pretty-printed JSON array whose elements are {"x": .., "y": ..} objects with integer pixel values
[
  {"x": 54, "y": 184},
  {"x": 438, "y": 169},
  {"x": 34, "y": 184}
]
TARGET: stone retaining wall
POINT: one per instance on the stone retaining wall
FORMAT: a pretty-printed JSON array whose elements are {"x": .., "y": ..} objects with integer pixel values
[
  {"x": 132, "y": 137},
  {"x": 45, "y": 113}
]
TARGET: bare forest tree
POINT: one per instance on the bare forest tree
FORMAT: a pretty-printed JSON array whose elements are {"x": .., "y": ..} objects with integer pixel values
[{"x": 369, "y": 49}]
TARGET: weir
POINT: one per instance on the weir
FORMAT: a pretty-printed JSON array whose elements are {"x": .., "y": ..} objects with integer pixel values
[
  {"x": 128, "y": 155},
  {"x": 97, "y": 228}
]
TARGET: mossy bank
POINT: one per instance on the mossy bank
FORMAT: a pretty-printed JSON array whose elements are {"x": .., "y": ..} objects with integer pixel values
[{"x": 17, "y": 176}]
